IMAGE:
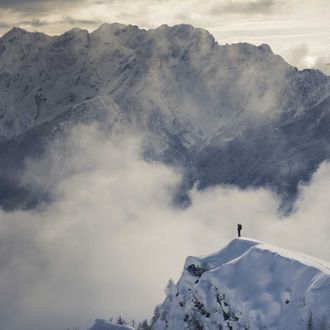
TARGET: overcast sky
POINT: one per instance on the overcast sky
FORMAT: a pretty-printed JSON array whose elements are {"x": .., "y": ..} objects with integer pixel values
[{"x": 299, "y": 30}]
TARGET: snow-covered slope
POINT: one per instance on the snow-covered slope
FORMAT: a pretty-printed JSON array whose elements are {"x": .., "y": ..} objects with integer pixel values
[
  {"x": 249, "y": 285},
  {"x": 104, "y": 325}
]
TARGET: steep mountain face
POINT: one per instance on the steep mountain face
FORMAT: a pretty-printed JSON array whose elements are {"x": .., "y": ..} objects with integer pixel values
[
  {"x": 233, "y": 114},
  {"x": 249, "y": 285},
  {"x": 277, "y": 155}
]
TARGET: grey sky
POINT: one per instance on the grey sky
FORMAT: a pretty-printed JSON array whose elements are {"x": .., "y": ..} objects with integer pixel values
[
  {"x": 286, "y": 25},
  {"x": 251, "y": 7}
]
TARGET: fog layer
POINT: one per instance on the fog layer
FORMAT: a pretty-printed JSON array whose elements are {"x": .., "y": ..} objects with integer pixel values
[{"x": 112, "y": 238}]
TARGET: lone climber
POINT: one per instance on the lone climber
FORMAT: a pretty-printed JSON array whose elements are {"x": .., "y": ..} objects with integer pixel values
[{"x": 239, "y": 229}]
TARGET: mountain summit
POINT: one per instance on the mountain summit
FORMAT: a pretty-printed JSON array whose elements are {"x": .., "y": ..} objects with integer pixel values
[{"x": 249, "y": 285}]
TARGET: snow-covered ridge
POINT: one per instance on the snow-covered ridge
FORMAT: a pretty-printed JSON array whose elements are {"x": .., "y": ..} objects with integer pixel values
[
  {"x": 249, "y": 285},
  {"x": 104, "y": 325},
  {"x": 239, "y": 246}
]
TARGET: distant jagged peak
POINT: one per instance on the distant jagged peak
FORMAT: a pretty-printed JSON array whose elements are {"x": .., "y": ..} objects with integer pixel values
[
  {"x": 115, "y": 28},
  {"x": 17, "y": 33},
  {"x": 183, "y": 32},
  {"x": 266, "y": 48},
  {"x": 129, "y": 35},
  {"x": 246, "y": 48},
  {"x": 76, "y": 35},
  {"x": 176, "y": 29},
  {"x": 180, "y": 34},
  {"x": 76, "y": 31},
  {"x": 183, "y": 29}
]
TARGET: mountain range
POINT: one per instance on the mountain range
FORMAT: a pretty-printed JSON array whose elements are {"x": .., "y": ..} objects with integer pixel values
[{"x": 224, "y": 114}]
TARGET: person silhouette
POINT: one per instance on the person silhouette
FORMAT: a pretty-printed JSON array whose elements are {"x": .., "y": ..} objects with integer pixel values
[{"x": 239, "y": 229}]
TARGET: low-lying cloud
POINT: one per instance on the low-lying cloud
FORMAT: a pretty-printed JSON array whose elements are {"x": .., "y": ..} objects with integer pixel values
[
  {"x": 112, "y": 237},
  {"x": 36, "y": 6},
  {"x": 301, "y": 57}
]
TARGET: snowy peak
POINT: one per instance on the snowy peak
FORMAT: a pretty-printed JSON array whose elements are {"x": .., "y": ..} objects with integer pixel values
[
  {"x": 238, "y": 247},
  {"x": 183, "y": 32},
  {"x": 265, "y": 48},
  {"x": 235, "y": 249},
  {"x": 15, "y": 31},
  {"x": 248, "y": 285},
  {"x": 105, "y": 325},
  {"x": 17, "y": 36},
  {"x": 111, "y": 34}
]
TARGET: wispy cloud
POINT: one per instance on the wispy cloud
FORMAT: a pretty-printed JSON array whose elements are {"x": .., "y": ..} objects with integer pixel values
[
  {"x": 35, "y": 6},
  {"x": 78, "y": 22},
  {"x": 249, "y": 7},
  {"x": 301, "y": 56},
  {"x": 34, "y": 22},
  {"x": 5, "y": 25}
]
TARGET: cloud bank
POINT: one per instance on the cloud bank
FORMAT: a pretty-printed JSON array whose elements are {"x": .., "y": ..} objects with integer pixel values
[
  {"x": 301, "y": 56},
  {"x": 251, "y": 7},
  {"x": 112, "y": 236},
  {"x": 37, "y": 6}
]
